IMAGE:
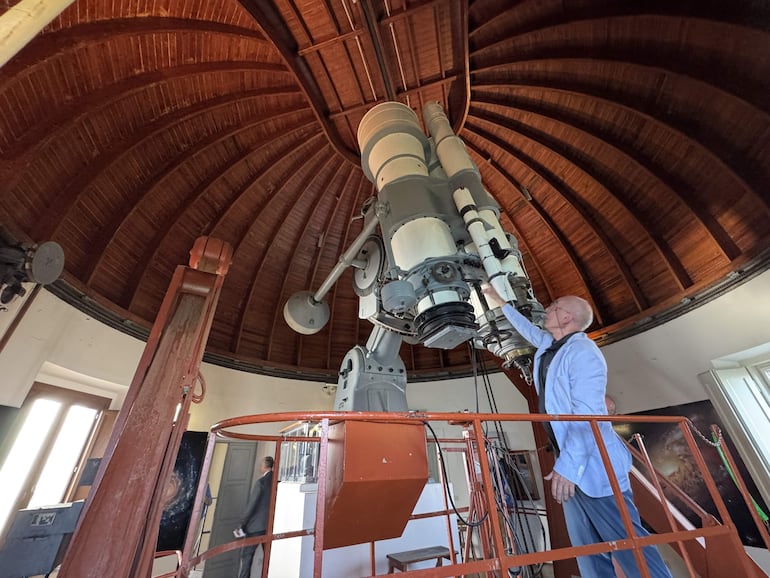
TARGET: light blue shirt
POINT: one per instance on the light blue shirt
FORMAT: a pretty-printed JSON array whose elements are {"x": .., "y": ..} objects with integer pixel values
[{"x": 576, "y": 383}]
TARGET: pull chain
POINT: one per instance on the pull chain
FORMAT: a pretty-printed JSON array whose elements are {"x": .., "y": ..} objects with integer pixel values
[{"x": 715, "y": 444}]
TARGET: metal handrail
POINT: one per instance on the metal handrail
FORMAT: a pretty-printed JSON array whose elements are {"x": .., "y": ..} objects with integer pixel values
[{"x": 229, "y": 428}]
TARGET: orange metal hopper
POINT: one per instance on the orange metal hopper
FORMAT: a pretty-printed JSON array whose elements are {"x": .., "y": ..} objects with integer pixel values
[{"x": 375, "y": 475}]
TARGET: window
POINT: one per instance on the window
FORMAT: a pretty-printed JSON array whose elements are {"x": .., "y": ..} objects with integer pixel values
[
  {"x": 763, "y": 369},
  {"x": 51, "y": 434},
  {"x": 741, "y": 395},
  {"x": 299, "y": 459},
  {"x": 748, "y": 398}
]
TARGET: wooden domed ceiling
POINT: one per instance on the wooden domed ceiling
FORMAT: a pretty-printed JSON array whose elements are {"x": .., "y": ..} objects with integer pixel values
[{"x": 628, "y": 144}]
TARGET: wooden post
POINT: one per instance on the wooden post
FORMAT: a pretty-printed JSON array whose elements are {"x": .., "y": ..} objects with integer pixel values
[{"x": 117, "y": 532}]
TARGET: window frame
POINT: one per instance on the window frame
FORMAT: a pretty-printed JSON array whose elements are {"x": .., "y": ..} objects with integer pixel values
[{"x": 67, "y": 398}]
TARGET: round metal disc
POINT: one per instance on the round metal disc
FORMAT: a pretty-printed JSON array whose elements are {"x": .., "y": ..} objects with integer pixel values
[
  {"x": 305, "y": 315},
  {"x": 47, "y": 263}
]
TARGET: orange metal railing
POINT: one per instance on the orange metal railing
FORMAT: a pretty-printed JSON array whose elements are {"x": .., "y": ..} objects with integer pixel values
[{"x": 723, "y": 535}]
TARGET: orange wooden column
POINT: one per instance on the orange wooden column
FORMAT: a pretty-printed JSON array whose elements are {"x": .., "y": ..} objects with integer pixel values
[{"x": 117, "y": 532}]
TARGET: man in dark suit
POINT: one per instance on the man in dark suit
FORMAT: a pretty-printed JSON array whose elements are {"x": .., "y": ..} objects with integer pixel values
[{"x": 254, "y": 521}]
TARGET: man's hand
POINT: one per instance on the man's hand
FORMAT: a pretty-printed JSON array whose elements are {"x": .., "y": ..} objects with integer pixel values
[
  {"x": 561, "y": 488},
  {"x": 493, "y": 297}
]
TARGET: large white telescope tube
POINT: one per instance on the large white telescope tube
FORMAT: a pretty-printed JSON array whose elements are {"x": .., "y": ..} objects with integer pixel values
[
  {"x": 392, "y": 143},
  {"x": 417, "y": 227},
  {"x": 393, "y": 148}
]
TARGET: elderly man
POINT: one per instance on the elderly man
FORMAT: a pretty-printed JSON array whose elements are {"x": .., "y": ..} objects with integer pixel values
[{"x": 571, "y": 376}]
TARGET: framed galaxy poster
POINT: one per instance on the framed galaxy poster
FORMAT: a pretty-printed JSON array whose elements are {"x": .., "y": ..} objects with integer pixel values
[
  {"x": 180, "y": 491},
  {"x": 671, "y": 456}
]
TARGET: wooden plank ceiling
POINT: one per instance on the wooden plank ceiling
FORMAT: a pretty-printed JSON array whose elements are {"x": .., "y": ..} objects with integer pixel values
[{"x": 627, "y": 142}]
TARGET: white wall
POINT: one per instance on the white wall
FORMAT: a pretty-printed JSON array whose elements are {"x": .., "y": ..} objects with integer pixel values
[
  {"x": 660, "y": 367},
  {"x": 656, "y": 369},
  {"x": 85, "y": 350},
  {"x": 233, "y": 393}
]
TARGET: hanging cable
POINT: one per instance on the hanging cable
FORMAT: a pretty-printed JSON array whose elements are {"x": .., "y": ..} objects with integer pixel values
[
  {"x": 491, "y": 398},
  {"x": 198, "y": 398},
  {"x": 397, "y": 51},
  {"x": 474, "y": 369},
  {"x": 446, "y": 482},
  {"x": 514, "y": 542},
  {"x": 718, "y": 443},
  {"x": 512, "y": 469},
  {"x": 360, "y": 49},
  {"x": 515, "y": 518}
]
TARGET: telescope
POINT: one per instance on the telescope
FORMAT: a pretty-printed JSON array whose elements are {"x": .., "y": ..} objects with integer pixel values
[{"x": 430, "y": 243}]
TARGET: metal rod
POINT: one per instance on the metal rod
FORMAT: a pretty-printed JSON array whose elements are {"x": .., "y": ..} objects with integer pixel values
[
  {"x": 763, "y": 531},
  {"x": 346, "y": 259},
  {"x": 486, "y": 479},
  {"x": 666, "y": 510},
  {"x": 622, "y": 508},
  {"x": 714, "y": 491},
  {"x": 445, "y": 496},
  {"x": 320, "y": 508},
  {"x": 706, "y": 518},
  {"x": 271, "y": 512}
]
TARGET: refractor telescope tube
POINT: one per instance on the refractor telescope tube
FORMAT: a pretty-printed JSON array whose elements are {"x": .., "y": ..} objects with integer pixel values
[
  {"x": 394, "y": 148},
  {"x": 482, "y": 220},
  {"x": 449, "y": 147},
  {"x": 469, "y": 194}
]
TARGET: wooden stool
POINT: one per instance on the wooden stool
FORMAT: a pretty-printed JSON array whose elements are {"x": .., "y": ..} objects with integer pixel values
[{"x": 400, "y": 560}]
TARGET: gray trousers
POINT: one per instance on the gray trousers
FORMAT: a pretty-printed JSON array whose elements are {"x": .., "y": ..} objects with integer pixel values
[{"x": 252, "y": 556}]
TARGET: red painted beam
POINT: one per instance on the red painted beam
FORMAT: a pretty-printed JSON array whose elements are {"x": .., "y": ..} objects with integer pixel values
[{"x": 117, "y": 532}]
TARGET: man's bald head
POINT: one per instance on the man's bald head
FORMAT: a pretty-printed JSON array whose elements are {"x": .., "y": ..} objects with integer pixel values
[
  {"x": 566, "y": 315},
  {"x": 582, "y": 314}
]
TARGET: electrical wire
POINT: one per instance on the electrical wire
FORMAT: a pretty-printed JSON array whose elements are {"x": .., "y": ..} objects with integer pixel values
[
  {"x": 533, "y": 570},
  {"x": 529, "y": 539},
  {"x": 198, "y": 398},
  {"x": 717, "y": 444},
  {"x": 521, "y": 517},
  {"x": 472, "y": 353},
  {"x": 446, "y": 482},
  {"x": 490, "y": 397}
]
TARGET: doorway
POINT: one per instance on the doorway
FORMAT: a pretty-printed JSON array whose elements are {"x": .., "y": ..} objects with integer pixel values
[{"x": 231, "y": 498}]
